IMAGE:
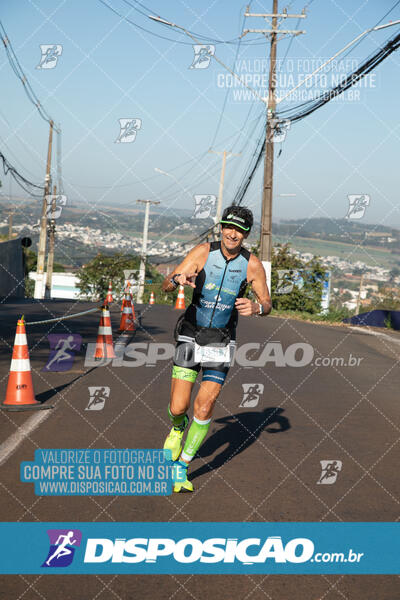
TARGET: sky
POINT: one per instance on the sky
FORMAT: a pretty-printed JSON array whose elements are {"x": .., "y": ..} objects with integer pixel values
[{"x": 111, "y": 69}]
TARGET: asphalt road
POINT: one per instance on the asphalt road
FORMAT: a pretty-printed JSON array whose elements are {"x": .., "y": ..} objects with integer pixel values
[{"x": 259, "y": 462}]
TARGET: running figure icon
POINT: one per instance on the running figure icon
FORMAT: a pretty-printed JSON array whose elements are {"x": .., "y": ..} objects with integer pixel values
[
  {"x": 63, "y": 350},
  {"x": 330, "y": 471},
  {"x": 62, "y": 549}
]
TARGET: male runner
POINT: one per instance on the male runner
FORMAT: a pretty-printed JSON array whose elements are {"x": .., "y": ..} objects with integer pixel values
[{"x": 219, "y": 273}]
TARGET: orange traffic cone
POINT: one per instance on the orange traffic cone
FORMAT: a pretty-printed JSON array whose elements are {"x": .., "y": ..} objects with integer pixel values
[
  {"x": 20, "y": 395},
  {"x": 109, "y": 297},
  {"x": 128, "y": 316},
  {"x": 151, "y": 298},
  {"x": 104, "y": 344},
  {"x": 180, "y": 301}
]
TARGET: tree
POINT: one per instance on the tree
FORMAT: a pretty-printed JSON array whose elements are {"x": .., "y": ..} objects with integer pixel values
[
  {"x": 296, "y": 284},
  {"x": 390, "y": 300},
  {"x": 95, "y": 276}
]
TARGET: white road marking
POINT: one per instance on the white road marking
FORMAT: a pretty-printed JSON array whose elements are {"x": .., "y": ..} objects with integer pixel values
[
  {"x": 11, "y": 444},
  {"x": 377, "y": 333}
]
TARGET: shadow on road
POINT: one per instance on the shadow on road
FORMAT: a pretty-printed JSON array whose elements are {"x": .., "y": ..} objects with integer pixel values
[
  {"x": 240, "y": 432},
  {"x": 46, "y": 395}
]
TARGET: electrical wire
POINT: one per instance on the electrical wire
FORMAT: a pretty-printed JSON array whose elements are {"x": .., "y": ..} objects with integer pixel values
[
  {"x": 241, "y": 25},
  {"x": 19, "y": 72},
  {"x": 366, "y": 67},
  {"x": 20, "y": 179},
  {"x": 350, "y": 50},
  {"x": 207, "y": 39}
]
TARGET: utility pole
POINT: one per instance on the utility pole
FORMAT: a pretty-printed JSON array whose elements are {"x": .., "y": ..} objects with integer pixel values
[
  {"x": 359, "y": 294},
  {"x": 39, "y": 291},
  {"x": 266, "y": 211},
  {"x": 52, "y": 236},
  {"x": 221, "y": 187},
  {"x": 143, "y": 258},
  {"x": 10, "y": 214}
]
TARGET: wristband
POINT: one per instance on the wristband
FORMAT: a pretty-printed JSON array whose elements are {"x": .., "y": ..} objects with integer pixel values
[
  {"x": 261, "y": 311},
  {"x": 172, "y": 280}
]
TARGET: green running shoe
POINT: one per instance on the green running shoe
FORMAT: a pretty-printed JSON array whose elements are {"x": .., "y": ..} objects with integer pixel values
[
  {"x": 183, "y": 486},
  {"x": 173, "y": 441}
]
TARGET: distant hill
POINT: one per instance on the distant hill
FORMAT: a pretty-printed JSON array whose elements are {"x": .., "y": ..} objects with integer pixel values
[{"x": 325, "y": 226}]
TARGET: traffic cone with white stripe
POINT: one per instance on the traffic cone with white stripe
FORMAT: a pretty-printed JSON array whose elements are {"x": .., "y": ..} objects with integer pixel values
[
  {"x": 104, "y": 344},
  {"x": 151, "y": 298},
  {"x": 20, "y": 395},
  {"x": 109, "y": 297},
  {"x": 180, "y": 301},
  {"x": 128, "y": 316}
]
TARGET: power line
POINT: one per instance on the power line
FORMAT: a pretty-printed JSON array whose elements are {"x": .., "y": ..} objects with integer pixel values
[
  {"x": 20, "y": 179},
  {"x": 228, "y": 89},
  {"x": 176, "y": 41},
  {"x": 366, "y": 67},
  {"x": 19, "y": 72}
]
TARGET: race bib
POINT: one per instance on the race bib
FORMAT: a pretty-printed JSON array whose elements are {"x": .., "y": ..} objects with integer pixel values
[{"x": 215, "y": 354}]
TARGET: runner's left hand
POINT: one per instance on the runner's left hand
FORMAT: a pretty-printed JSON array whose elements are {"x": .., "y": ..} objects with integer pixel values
[{"x": 246, "y": 307}]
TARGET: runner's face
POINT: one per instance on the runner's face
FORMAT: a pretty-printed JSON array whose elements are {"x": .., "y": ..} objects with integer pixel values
[{"x": 232, "y": 238}]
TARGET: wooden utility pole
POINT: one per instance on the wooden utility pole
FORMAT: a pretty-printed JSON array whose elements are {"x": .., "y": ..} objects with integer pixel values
[
  {"x": 39, "y": 291},
  {"x": 10, "y": 214},
  {"x": 266, "y": 211},
  {"x": 52, "y": 237},
  {"x": 221, "y": 188},
  {"x": 359, "y": 294}
]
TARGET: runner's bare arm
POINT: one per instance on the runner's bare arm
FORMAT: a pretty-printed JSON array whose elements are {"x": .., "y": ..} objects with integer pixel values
[
  {"x": 189, "y": 268},
  {"x": 258, "y": 280}
]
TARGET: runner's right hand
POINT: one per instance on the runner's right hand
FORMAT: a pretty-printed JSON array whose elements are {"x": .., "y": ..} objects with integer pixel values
[{"x": 189, "y": 279}]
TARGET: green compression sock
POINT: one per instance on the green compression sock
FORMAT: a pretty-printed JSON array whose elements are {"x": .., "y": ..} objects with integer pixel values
[
  {"x": 176, "y": 420},
  {"x": 195, "y": 437}
]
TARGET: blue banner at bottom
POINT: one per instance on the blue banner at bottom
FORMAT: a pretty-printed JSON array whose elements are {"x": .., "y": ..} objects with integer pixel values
[{"x": 209, "y": 548}]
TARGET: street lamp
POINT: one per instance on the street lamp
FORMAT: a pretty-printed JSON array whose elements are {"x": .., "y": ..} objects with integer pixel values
[{"x": 174, "y": 178}]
